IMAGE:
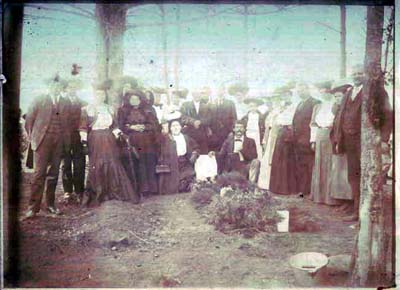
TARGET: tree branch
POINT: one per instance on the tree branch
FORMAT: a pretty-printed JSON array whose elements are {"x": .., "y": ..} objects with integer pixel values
[
  {"x": 88, "y": 12},
  {"x": 36, "y": 17},
  {"x": 57, "y": 9},
  {"x": 328, "y": 26},
  {"x": 194, "y": 19}
]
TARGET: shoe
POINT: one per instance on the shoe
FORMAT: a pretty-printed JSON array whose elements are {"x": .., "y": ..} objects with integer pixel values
[
  {"x": 29, "y": 215},
  {"x": 53, "y": 210},
  {"x": 352, "y": 218}
]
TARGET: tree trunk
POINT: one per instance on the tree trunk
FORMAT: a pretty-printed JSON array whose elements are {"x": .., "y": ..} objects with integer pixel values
[
  {"x": 246, "y": 44},
  {"x": 164, "y": 46},
  {"x": 12, "y": 37},
  {"x": 111, "y": 25},
  {"x": 369, "y": 267},
  {"x": 343, "y": 41},
  {"x": 177, "y": 46}
]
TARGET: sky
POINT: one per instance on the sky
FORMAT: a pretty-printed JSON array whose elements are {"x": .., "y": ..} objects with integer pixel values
[{"x": 301, "y": 42}]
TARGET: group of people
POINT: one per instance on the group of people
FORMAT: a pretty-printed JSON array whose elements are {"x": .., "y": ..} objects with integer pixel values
[{"x": 149, "y": 142}]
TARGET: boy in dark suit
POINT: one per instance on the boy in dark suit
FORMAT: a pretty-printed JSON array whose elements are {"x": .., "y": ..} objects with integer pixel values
[{"x": 47, "y": 126}]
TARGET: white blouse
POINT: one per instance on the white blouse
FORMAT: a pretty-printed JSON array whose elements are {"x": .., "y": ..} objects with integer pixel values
[
  {"x": 103, "y": 116},
  {"x": 180, "y": 144},
  {"x": 323, "y": 119},
  {"x": 252, "y": 122},
  {"x": 286, "y": 117}
]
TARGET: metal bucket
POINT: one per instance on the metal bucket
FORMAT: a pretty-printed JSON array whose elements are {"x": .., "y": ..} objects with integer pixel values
[{"x": 307, "y": 267}]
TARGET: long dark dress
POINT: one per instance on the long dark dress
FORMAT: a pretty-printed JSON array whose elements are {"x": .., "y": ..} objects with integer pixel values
[
  {"x": 146, "y": 144},
  {"x": 107, "y": 178},
  {"x": 182, "y": 172},
  {"x": 283, "y": 169}
]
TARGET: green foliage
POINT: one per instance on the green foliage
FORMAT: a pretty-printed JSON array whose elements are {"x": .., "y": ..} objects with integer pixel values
[
  {"x": 239, "y": 88},
  {"x": 119, "y": 83},
  {"x": 232, "y": 203},
  {"x": 245, "y": 210}
]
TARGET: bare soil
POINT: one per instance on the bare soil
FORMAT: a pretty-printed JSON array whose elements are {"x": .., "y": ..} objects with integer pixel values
[{"x": 166, "y": 241}]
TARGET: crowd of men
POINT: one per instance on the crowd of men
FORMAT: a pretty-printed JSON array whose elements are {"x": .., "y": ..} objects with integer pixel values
[{"x": 288, "y": 143}]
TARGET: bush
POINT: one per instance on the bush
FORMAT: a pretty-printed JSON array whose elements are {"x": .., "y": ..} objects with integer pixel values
[
  {"x": 234, "y": 180},
  {"x": 245, "y": 210},
  {"x": 203, "y": 192}
]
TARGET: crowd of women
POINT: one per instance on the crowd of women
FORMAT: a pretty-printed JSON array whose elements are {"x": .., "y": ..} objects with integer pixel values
[{"x": 149, "y": 141}]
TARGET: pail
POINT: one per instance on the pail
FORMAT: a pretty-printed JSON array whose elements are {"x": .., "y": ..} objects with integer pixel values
[
  {"x": 306, "y": 267},
  {"x": 283, "y": 225}
]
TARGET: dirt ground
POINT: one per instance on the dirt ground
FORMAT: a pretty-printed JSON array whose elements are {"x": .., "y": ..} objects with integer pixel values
[{"x": 166, "y": 241}]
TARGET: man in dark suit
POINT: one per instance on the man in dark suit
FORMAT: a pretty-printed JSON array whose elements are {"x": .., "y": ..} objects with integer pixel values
[
  {"x": 346, "y": 131},
  {"x": 301, "y": 133},
  {"x": 239, "y": 153},
  {"x": 74, "y": 157},
  {"x": 47, "y": 125},
  {"x": 223, "y": 117},
  {"x": 196, "y": 119}
]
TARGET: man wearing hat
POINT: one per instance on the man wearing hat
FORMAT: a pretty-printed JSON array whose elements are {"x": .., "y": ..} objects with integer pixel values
[
  {"x": 47, "y": 125},
  {"x": 346, "y": 131}
]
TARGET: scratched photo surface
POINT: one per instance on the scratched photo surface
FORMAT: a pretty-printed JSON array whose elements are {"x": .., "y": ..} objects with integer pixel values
[{"x": 191, "y": 145}]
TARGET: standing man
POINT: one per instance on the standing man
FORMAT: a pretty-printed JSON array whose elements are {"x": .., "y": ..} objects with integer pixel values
[
  {"x": 223, "y": 117},
  {"x": 196, "y": 117},
  {"x": 74, "y": 157},
  {"x": 47, "y": 125},
  {"x": 301, "y": 133},
  {"x": 346, "y": 131}
]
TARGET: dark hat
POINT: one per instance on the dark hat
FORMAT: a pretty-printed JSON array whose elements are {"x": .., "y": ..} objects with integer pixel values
[
  {"x": 75, "y": 69},
  {"x": 341, "y": 89},
  {"x": 253, "y": 100},
  {"x": 135, "y": 92},
  {"x": 57, "y": 79},
  {"x": 327, "y": 85}
]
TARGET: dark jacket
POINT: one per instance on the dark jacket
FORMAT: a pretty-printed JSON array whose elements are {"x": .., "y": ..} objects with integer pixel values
[
  {"x": 39, "y": 116},
  {"x": 146, "y": 141},
  {"x": 230, "y": 160},
  {"x": 169, "y": 182},
  {"x": 223, "y": 117},
  {"x": 302, "y": 119},
  {"x": 189, "y": 116},
  {"x": 336, "y": 134}
]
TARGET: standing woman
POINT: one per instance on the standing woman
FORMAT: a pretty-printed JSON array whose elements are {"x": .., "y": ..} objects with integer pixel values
[
  {"x": 142, "y": 128},
  {"x": 321, "y": 124},
  {"x": 283, "y": 166},
  {"x": 107, "y": 178},
  {"x": 269, "y": 141}
]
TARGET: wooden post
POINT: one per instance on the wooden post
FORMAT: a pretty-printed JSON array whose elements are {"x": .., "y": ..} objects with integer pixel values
[
  {"x": 12, "y": 36},
  {"x": 343, "y": 57}
]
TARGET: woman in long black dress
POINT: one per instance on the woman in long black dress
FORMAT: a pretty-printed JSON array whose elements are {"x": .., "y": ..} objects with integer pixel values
[
  {"x": 107, "y": 178},
  {"x": 179, "y": 152},
  {"x": 283, "y": 168},
  {"x": 142, "y": 128}
]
